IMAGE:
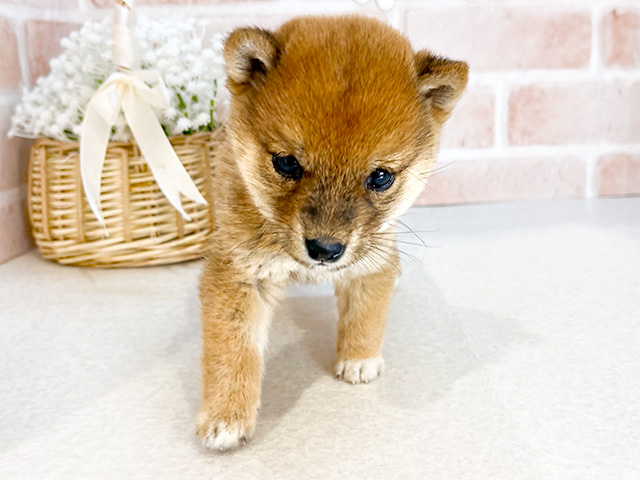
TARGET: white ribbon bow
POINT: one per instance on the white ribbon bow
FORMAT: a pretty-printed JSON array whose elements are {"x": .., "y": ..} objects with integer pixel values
[{"x": 131, "y": 93}]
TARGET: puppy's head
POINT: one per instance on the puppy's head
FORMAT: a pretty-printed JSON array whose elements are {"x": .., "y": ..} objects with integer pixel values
[{"x": 335, "y": 125}]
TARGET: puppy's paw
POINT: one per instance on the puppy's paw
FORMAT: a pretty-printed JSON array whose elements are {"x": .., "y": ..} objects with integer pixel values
[
  {"x": 360, "y": 371},
  {"x": 222, "y": 435}
]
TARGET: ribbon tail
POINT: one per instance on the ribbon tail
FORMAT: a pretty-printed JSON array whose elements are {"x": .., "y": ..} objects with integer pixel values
[
  {"x": 94, "y": 138},
  {"x": 169, "y": 173}
]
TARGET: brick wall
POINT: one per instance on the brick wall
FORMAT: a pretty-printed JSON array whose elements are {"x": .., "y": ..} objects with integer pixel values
[{"x": 553, "y": 108}]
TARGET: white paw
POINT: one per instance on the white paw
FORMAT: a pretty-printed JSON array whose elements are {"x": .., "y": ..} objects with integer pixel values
[
  {"x": 221, "y": 435},
  {"x": 360, "y": 371}
]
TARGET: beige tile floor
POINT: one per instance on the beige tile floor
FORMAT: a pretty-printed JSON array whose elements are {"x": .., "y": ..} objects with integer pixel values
[{"x": 513, "y": 352}]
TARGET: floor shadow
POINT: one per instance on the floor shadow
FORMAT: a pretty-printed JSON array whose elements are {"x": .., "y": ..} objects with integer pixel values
[
  {"x": 301, "y": 351},
  {"x": 431, "y": 344}
]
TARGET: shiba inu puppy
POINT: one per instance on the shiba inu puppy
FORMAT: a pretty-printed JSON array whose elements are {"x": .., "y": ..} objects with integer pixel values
[{"x": 333, "y": 126}]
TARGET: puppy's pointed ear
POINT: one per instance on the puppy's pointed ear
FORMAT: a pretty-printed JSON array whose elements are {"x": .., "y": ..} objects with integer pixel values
[
  {"x": 441, "y": 81},
  {"x": 250, "y": 54}
]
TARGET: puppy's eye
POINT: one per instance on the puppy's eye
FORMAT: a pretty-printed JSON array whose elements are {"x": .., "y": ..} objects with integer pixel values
[
  {"x": 287, "y": 166},
  {"x": 380, "y": 180}
]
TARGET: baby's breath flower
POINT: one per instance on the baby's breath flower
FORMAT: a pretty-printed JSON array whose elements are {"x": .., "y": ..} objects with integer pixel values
[
  {"x": 63, "y": 119},
  {"x": 46, "y": 116},
  {"x": 183, "y": 125},
  {"x": 170, "y": 113},
  {"x": 201, "y": 119},
  {"x": 54, "y": 130},
  {"x": 175, "y": 49}
]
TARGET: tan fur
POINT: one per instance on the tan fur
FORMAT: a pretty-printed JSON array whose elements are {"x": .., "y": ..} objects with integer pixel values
[
  {"x": 363, "y": 303},
  {"x": 345, "y": 95}
]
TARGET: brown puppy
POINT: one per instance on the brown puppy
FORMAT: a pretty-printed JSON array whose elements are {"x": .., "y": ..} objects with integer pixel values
[{"x": 334, "y": 124}]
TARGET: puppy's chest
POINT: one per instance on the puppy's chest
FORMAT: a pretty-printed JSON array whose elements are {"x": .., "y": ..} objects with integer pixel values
[
  {"x": 275, "y": 269},
  {"x": 282, "y": 270}
]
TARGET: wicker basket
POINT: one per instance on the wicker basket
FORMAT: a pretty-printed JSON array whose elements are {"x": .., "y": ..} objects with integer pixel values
[{"x": 142, "y": 227}]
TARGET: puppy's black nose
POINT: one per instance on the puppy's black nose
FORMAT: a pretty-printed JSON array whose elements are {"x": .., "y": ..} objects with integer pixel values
[{"x": 324, "y": 249}]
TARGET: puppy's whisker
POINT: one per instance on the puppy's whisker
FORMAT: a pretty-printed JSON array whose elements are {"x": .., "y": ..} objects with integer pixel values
[
  {"x": 378, "y": 266},
  {"x": 405, "y": 232},
  {"x": 423, "y": 176},
  {"x": 439, "y": 169},
  {"x": 389, "y": 250},
  {"x": 390, "y": 247},
  {"x": 420, "y": 179},
  {"x": 400, "y": 259},
  {"x": 371, "y": 263},
  {"x": 381, "y": 254},
  {"x": 386, "y": 252},
  {"x": 412, "y": 257},
  {"x": 411, "y": 230},
  {"x": 393, "y": 241}
]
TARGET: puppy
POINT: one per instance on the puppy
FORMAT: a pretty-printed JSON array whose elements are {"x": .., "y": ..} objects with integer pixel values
[{"x": 333, "y": 126}]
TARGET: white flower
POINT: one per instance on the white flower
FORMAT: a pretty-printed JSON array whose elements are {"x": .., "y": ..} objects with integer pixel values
[
  {"x": 193, "y": 74},
  {"x": 63, "y": 119},
  {"x": 46, "y": 116},
  {"x": 201, "y": 120},
  {"x": 170, "y": 113},
  {"x": 183, "y": 124},
  {"x": 54, "y": 130}
]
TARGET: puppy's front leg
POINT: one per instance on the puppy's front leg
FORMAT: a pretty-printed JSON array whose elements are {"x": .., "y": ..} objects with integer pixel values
[
  {"x": 235, "y": 320},
  {"x": 363, "y": 303}
]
